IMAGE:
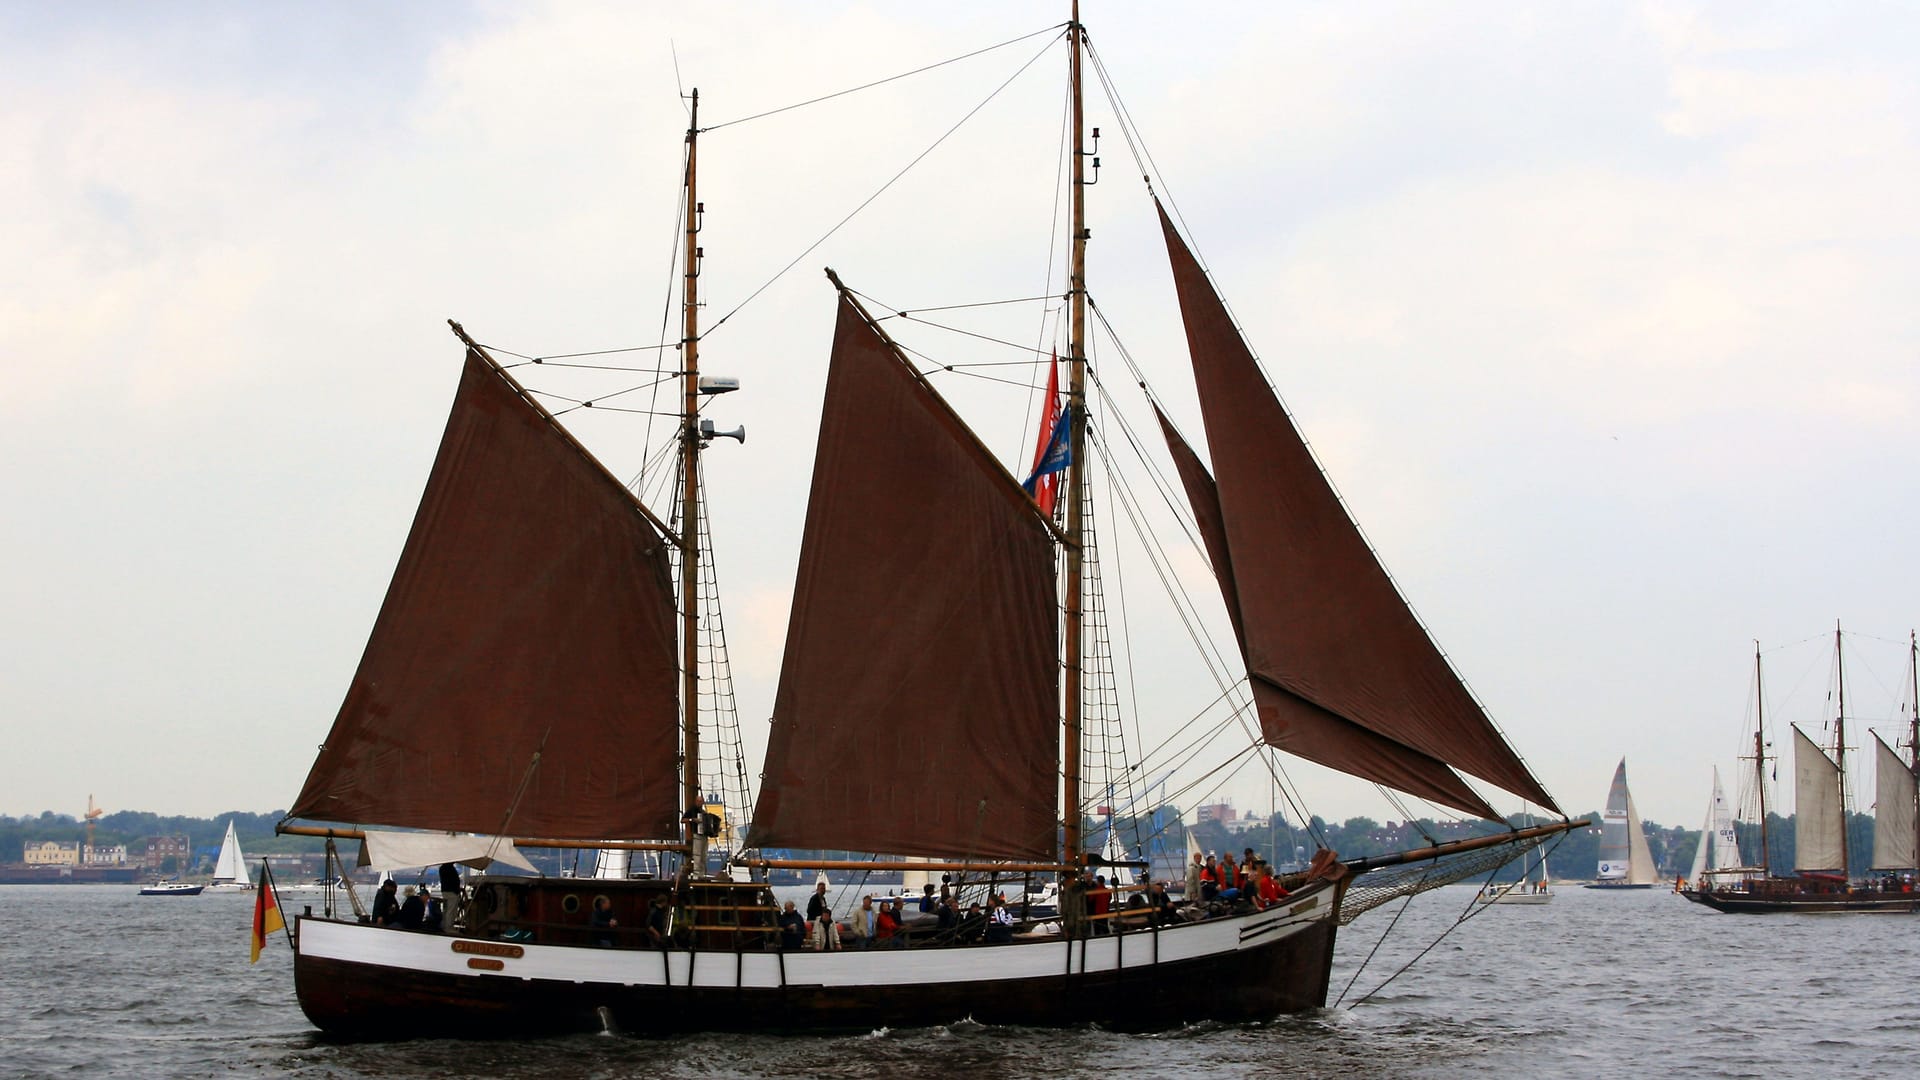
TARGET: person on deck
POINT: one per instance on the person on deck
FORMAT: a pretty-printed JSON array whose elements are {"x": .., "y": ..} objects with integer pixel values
[
  {"x": 450, "y": 896},
  {"x": 793, "y": 928},
  {"x": 1099, "y": 904},
  {"x": 412, "y": 910},
  {"x": 1210, "y": 880},
  {"x": 1193, "y": 877},
  {"x": 926, "y": 899},
  {"x": 825, "y": 933},
  {"x": 1268, "y": 891},
  {"x": 999, "y": 923},
  {"x": 817, "y": 903},
  {"x": 659, "y": 922},
  {"x": 430, "y": 918},
  {"x": 603, "y": 922},
  {"x": 860, "y": 923},
  {"x": 1159, "y": 904},
  {"x": 886, "y": 927},
  {"x": 386, "y": 905}
]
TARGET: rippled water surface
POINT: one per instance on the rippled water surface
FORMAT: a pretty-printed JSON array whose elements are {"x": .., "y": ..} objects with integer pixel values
[{"x": 98, "y": 981}]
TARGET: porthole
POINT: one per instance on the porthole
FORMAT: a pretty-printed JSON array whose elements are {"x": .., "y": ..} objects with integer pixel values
[{"x": 570, "y": 903}]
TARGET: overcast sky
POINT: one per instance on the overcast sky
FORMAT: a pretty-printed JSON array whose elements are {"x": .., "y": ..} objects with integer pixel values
[{"x": 1601, "y": 316}]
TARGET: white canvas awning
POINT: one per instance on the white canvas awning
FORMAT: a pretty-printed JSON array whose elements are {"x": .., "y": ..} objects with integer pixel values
[{"x": 399, "y": 850}]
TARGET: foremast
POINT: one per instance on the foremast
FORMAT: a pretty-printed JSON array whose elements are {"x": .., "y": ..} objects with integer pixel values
[
  {"x": 1760, "y": 760},
  {"x": 1074, "y": 854},
  {"x": 690, "y": 482}
]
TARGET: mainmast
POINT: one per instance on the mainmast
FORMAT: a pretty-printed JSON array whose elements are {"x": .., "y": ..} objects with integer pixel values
[
  {"x": 1840, "y": 746},
  {"x": 1075, "y": 854},
  {"x": 1760, "y": 760},
  {"x": 1913, "y": 735},
  {"x": 690, "y": 483}
]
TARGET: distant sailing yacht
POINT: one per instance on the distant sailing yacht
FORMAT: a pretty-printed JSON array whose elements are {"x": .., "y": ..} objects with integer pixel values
[
  {"x": 230, "y": 869},
  {"x": 1823, "y": 879},
  {"x": 1625, "y": 860}
]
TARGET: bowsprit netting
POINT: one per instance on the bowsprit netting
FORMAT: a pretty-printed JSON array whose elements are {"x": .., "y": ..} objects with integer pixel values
[{"x": 1382, "y": 886}]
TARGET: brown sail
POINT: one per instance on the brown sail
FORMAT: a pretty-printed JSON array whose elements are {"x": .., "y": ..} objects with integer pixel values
[
  {"x": 918, "y": 709},
  {"x": 1295, "y": 724},
  {"x": 1322, "y": 620},
  {"x": 522, "y": 674}
]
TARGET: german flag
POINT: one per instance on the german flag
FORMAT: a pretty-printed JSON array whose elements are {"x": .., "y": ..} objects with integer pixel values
[{"x": 266, "y": 914}]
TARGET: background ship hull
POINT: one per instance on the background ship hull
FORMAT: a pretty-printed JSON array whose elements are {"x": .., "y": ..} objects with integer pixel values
[
  {"x": 364, "y": 982},
  {"x": 1896, "y": 904}
]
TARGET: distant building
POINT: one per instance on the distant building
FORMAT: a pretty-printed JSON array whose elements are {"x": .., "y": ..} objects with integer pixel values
[
  {"x": 1218, "y": 813},
  {"x": 52, "y": 853},
  {"x": 158, "y": 849},
  {"x": 104, "y": 855}
]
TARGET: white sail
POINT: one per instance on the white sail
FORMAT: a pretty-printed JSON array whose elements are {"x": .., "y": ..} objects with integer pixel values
[
  {"x": 232, "y": 864},
  {"x": 1719, "y": 847},
  {"x": 1818, "y": 819},
  {"x": 611, "y": 863},
  {"x": 1639, "y": 856},
  {"x": 1893, "y": 806}
]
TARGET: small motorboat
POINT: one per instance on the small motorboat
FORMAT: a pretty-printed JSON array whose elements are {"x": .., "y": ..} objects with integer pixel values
[{"x": 170, "y": 888}]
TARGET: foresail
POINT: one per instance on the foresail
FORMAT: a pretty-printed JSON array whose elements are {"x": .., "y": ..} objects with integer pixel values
[
  {"x": 1893, "y": 808},
  {"x": 1639, "y": 856},
  {"x": 1817, "y": 820},
  {"x": 1322, "y": 620},
  {"x": 918, "y": 706},
  {"x": 522, "y": 676},
  {"x": 1292, "y": 723}
]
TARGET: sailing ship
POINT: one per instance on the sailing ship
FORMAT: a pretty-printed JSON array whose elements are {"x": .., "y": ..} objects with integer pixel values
[
  {"x": 1626, "y": 862},
  {"x": 230, "y": 868},
  {"x": 1823, "y": 879},
  {"x": 533, "y": 679}
]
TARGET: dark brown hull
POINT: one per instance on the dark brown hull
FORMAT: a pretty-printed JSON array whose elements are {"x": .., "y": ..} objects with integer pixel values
[
  {"x": 1736, "y": 903},
  {"x": 1250, "y": 980}
]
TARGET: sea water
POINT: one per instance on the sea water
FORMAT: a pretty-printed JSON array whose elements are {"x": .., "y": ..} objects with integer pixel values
[{"x": 98, "y": 981}]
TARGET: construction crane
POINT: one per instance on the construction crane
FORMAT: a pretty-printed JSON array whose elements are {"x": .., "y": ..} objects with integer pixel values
[{"x": 86, "y": 853}]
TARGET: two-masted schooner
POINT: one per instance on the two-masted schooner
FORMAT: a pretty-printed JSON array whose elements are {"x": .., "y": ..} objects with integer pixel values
[
  {"x": 533, "y": 680},
  {"x": 1825, "y": 878}
]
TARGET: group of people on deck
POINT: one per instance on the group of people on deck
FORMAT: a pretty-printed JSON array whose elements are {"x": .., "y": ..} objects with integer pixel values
[
  {"x": 418, "y": 908},
  {"x": 1215, "y": 880}
]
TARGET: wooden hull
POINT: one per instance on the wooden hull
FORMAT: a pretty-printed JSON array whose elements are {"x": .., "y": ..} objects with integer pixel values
[
  {"x": 1777, "y": 903},
  {"x": 357, "y": 981}
]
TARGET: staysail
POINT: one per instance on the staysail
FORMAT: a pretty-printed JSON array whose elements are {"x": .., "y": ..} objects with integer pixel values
[
  {"x": 1893, "y": 809},
  {"x": 1817, "y": 836},
  {"x": 1323, "y": 627},
  {"x": 918, "y": 706},
  {"x": 522, "y": 676},
  {"x": 1719, "y": 846},
  {"x": 1639, "y": 855}
]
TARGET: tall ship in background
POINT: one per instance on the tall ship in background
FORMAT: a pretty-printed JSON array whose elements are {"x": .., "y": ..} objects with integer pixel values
[
  {"x": 1626, "y": 862},
  {"x": 547, "y": 671},
  {"x": 1825, "y": 878}
]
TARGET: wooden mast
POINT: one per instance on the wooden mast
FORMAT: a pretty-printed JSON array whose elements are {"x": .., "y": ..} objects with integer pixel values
[
  {"x": 1074, "y": 854},
  {"x": 690, "y": 483},
  {"x": 1760, "y": 761},
  {"x": 1913, "y": 736},
  {"x": 1840, "y": 746}
]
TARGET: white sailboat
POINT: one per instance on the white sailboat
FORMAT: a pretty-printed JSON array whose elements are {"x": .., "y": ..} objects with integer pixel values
[
  {"x": 1626, "y": 862},
  {"x": 230, "y": 869}
]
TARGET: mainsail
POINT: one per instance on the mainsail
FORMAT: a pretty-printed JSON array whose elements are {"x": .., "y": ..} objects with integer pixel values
[
  {"x": 232, "y": 864},
  {"x": 522, "y": 675},
  {"x": 1339, "y": 664},
  {"x": 1893, "y": 810},
  {"x": 1624, "y": 856},
  {"x": 918, "y": 707},
  {"x": 1818, "y": 819}
]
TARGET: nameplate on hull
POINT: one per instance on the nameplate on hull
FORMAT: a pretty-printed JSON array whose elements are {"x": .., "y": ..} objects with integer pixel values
[
  {"x": 490, "y": 948},
  {"x": 486, "y": 963}
]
